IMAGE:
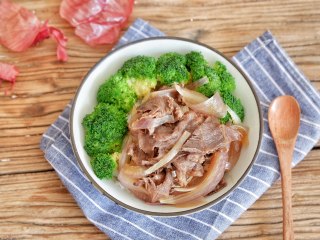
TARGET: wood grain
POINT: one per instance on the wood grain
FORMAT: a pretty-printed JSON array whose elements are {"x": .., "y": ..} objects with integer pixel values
[{"x": 33, "y": 202}]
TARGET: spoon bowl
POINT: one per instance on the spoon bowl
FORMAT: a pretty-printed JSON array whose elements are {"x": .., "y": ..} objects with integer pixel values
[{"x": 285, "y": 122}]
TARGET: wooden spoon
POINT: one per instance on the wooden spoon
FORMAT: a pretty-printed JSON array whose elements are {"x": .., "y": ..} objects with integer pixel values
[{"x": 284, "y": 122}]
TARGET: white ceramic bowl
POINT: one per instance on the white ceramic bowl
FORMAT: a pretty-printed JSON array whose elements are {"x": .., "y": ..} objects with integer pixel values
[{"x": 85, "y": 101}]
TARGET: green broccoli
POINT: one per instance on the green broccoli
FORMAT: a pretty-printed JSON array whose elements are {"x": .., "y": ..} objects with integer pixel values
[
  {"x": 139, "y": 72},
  {"x": 104, "y": 165},
  {"x": 139, "y": 67},
  {"x": 105, "y": 129},
  {"x": 213, "y": 85},
  {"x": 196, "y": 64},
  {"x": 199, "y": 68},
  {"x": 227, "y": 80},
  {"x": 235, "y": 104},
  {"x": 171, "y": 68},
  {"x": 118, "y": 92}
]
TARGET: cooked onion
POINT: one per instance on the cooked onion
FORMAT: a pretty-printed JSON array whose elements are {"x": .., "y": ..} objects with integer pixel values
[
  {"x": 165, "y": 92},
  {"x": 133, "y": 115},
  {"x": 190, "y": 96},
  {"x": 184, "y": 109},
  {"x": 241, "y": 128},
  {"x": 183, "y": 189},
  {"x": 200, "y": 103},
  {"x": 212, "y": 178},
  {"x": 198, "y": 83},
  {"x": 128, "y": 183},
  {"x": 133, "y": 171},
  {"x": 169, "y": 155},
  {"x": 234, "y": 154},
  {"x": 145, "y": 98},
  {"x": 244, "y": 131},
  {"x": 212, "y": 106},
  {"x": 124, "y": 156},
  {"x": 235, "y": 118}
]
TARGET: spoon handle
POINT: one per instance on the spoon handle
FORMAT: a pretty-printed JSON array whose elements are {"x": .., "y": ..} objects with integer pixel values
[{"x": 285, "y": 156}]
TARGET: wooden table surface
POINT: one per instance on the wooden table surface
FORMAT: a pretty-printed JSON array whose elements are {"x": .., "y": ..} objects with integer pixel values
[{"x": 33, "y": 202}]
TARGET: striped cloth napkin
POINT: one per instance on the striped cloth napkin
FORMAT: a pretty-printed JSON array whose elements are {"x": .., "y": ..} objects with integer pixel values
[{"x": 272, "y": 73}]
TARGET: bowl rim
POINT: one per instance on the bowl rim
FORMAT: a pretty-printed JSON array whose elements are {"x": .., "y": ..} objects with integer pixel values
[{"x": 164, "y": 214}]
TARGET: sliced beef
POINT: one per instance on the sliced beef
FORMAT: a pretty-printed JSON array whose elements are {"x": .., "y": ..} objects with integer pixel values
[
  {"x": 188, "y": 165},
  {"x": 188, "y": 122},
  {"x": 197, "y": 158},
  {"x": 157, "y": 179},
  {"x": 156, "y": 112},
  {"x": 231, "y": 134},
  {"x": 167, "y": 136},
  {"x": 138, "y": 156},
  {"x": 146, "y": 142},
  {"x": 161, "y": 190},
  {"x": 194, "y": 123},
  {"x": 162, "y": 132},
  {"x": 207, "y": 138},
  {"x": 156, "y": 126},
  {"x": 154, "y": 107},
  {"x": 175, "y": 108},
  {"x": 151, "y": 123}
]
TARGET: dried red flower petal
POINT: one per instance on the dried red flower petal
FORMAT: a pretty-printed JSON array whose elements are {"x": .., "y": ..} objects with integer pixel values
[
  {"x": 21, "y": 29},
  {"x": 8, "y": 72},
  {"x": 97, "y": 21}
]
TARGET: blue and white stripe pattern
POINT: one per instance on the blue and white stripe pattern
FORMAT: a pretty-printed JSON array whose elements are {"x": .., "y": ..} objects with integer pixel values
[{"x": 272, "y": 73}]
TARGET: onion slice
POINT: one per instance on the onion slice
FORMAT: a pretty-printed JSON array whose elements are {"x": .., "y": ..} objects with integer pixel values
[
  {"x": 200, "y": 103},
  {"x": 244, "y": 131},
  {"x": 212, "y": 106},
  {"x": 241, "y": 128},
  {"x": 169, "y": 155},
  {"x": 184, "y": 189},
  {"x": 190, "y": 96},
  {"x": 124, "y": 153},
  {"x": 133, "y": 171},
  {"x": 213, "y": 176},
  {"x": 235, "y": 118},
  {"x": 128, "y": 183},
  {"x": 165, "y": 92},
  {"x": 133, "y": 114},
  {"x": 198, "y": 83},
  {"x": 234, "y": 154}
]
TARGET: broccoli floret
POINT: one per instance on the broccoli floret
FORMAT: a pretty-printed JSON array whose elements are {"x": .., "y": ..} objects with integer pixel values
[
  {"x": 199, "y": 68},
  {"x": 235, "y": 104},
  {"x": 171, "y": 68},
  {"x": 140, "y": 67},
  {"x": 104, "y": 165},
  {"x": 139, "y": 72},
  {"x": 196, "y": 64},
  {"x": 213, "y": 85},
  {"x": 227, "y": 80},
  {"x": 118, "y": 92},
  {"x": 105, "y": 129}
]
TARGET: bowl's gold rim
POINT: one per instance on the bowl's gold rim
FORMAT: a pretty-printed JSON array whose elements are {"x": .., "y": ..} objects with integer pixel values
[{"x": 166, "y": 214}]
